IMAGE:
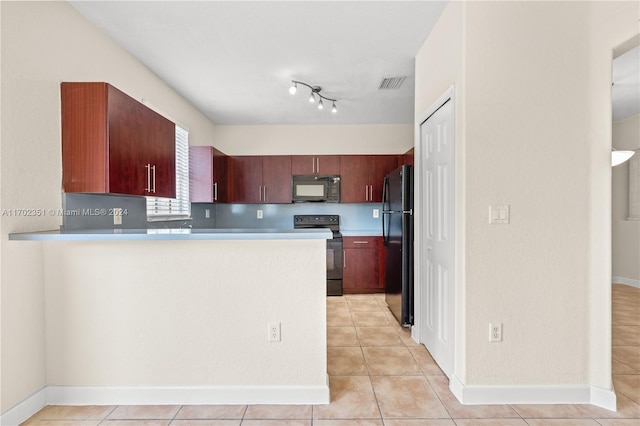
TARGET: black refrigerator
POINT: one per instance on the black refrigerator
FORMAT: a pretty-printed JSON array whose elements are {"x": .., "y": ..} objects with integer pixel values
[{"x": 397, "y": 231}]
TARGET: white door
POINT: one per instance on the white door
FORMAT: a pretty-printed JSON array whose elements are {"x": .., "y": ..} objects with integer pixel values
[{"x": 436, "y": 235}]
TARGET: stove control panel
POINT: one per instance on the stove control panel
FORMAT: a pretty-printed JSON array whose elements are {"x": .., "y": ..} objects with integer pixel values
[{"x": 310, "y": 220}]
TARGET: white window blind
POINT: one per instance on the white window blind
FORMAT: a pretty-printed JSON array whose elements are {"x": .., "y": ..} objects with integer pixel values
[{"x": 161, "y": 208}]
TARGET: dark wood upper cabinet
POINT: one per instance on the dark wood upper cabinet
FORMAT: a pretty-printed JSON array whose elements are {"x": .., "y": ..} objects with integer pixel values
[
  {"x": 208, "y": 180},
  {"x": 247, "y": 179},
  {"x": 354, "y": 179},
  {"x": 276, "y": 178},
  {"x": 362, "y": 177},
  {"x": 315, "y": 164},
  {"x": 262, "y": 179},
  {"x": 111, "y": 143},
  {"x": 408, "y": 157},
  {"x": 379, "y": 167},
  {"x": 222, "y": 193}
]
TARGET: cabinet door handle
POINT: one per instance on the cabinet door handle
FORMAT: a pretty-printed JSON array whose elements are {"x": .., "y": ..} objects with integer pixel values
[
  {"x": 265, "y": 193},
  {"x": 313, "y": 164},
  {"x": 154, "y": 178},
  {"x": 260, "y": 193},
  {"x": 148, "y": 187},
  {"x": 361, "y": 242},
  {"x": 344, "y": 259},
  {"x": 318, "y": 165},
  {"x": 370, "y": 192},
  {"x": 215, "y": 191},
  {"x": 366, "y": 193}
]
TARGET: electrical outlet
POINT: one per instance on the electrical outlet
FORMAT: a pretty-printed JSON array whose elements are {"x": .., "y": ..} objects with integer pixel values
[
  {"x": 207, "y": 213},
  {"x": 376, "y": 213},
  {"x": 274, "y": 332},
  {"x": 259, "y": 214},
  {"x": 117, "y": 216},
  {"x": 499, "y": 214},
  {"x": 495, "y": 332}
]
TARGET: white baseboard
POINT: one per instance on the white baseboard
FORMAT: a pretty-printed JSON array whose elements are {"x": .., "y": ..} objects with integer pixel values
[
  {"x": 25, "y": 409},
  {"x": 604, "y": 398},
  {"x": 175, "y": 395},
  {"x": 626, "y": 281},
  {"x": 87, "y": 395},
  {"x": 553, "y": 394}
]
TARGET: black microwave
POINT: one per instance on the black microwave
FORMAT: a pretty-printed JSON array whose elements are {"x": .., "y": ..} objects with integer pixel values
[{"x": 316, "y": 188}]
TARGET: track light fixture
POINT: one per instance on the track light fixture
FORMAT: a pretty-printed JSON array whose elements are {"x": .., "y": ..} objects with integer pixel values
[{"x": 315, "y": 91}]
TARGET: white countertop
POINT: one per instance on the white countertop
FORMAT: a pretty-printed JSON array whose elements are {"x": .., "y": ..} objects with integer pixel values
[{"x": 173, "y": 234}]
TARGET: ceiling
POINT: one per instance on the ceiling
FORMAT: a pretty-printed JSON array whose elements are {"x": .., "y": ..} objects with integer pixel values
[
  {"x": 625, "y": 92},
  {"x": 234, "y": 60}
]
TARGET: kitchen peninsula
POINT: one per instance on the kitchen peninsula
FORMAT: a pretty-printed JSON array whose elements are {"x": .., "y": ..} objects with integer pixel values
[{"x": 184, "y": 316}]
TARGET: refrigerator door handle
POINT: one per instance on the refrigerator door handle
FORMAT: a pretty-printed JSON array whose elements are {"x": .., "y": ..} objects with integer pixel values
[
  {"x": 385, "y": 234},
  {"x": 385, "y": 184},
  {"x": 385, "y": 190},
  {"x": 410, "y": 211}
]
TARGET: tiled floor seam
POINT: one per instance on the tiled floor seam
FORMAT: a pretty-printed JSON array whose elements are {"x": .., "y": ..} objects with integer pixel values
[
  {"x": 375, "y": 395},
  {"x": 176, "y": 414},
  {"x": 438, "y": 396},
  {"x": 107, "y": 416}
]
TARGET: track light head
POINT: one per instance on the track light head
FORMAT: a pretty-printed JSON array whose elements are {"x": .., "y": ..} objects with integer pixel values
[
  {"x": 293, "y": 89},
  {"x": 334, "y": 109}
]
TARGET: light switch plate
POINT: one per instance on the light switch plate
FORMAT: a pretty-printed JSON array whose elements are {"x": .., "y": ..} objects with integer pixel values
[{"x": 499, "y": 214}]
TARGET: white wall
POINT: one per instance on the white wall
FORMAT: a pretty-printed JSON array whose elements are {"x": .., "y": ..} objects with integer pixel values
[
  {"x": 523, "y": 120},
  {"x": 626, "y": 233},
  {"x": 533, "y": 131},
  {"x": 445, "y": 47},
  {"x": 44, "y": 43},
  {"x": 126, "y": 316},
  {"x": 314, "y": 139}
]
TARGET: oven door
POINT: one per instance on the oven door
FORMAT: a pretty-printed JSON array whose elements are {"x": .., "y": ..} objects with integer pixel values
[{"x": 334, "y": 267}]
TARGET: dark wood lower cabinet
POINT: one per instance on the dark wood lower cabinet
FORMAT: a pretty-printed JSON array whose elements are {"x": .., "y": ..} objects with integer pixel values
[{"x": 362, "y": 271}]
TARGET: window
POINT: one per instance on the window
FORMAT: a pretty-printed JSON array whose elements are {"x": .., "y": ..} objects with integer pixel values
[{"x": 160, "y": 208}]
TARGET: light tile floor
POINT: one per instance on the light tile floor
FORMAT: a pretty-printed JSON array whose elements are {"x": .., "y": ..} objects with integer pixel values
[{"x": 380, "y": 377}]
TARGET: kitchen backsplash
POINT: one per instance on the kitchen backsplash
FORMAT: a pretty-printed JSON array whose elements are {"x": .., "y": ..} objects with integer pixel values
[
  {"x": 353, "y": 217},
  {"x": 95, "y": 211}
]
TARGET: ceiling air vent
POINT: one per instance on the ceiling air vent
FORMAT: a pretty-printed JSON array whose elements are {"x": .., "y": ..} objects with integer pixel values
[{"x": 391, "y": 83}]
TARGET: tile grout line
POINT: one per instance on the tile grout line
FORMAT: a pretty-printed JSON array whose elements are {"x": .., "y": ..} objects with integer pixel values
[
  {"x": 373, "y": 389},
  {"x": 107, "y": 416},
  {"x": 244, "y": 414},
  {"x": 176, "y": 414}
]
